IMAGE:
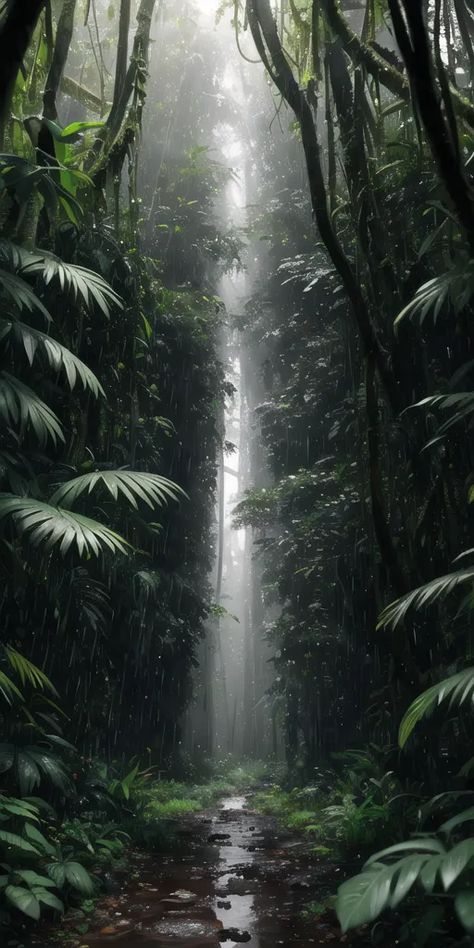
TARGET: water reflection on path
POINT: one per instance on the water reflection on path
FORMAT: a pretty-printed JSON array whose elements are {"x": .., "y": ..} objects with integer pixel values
[{"x": 237, "y": 879}]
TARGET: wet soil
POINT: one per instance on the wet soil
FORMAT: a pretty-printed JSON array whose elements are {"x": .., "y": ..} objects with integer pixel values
[{"x": 236, "y": 879}]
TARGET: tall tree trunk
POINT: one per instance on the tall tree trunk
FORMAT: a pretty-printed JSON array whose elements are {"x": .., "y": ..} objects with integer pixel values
[
  {"x": 60, "y": 54},
  {"x": 122, "y": 52},
  {"x": 15, "y": 36}
]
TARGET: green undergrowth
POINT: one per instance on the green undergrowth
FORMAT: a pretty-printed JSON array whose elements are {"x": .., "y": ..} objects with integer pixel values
[{"x": 344, "y": 812}]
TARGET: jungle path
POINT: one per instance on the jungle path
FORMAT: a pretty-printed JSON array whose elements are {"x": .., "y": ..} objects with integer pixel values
[{"x": 236, "y": 878}]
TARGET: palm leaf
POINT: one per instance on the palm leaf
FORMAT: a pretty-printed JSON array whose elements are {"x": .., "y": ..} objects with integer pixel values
[
  {"x": 19, "y": 293},
  {"x": 19, "y": 405},
  {"x": 458, "y": 690},
  {"x": 59, "y": 357},
  {"x": 424, "y": 596},
  {"x": 52, "y": 527},
  {"x": 79, "y": 282},
  {"x": 9, "y": 690},
  {"x": 461, "y": 402},
  {"x": 152, "y": 489},
  {"x": 28, "y": 672},
  {"x": 452, "y": 289}
]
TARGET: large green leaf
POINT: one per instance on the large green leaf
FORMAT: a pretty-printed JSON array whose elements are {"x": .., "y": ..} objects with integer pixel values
[
  {"x": 456, "y": 861},
  {"x": 464, "y": 905},
  {"x": 420, "y": 844},
  {"x": 33, "y": 878},
  {"x": 458, "y": 689},
  {"x": 48, "y": 898},
  {"x": 362, "y": 898},
  {"x": 34, "y": 834},
  {"x": 12, "y": 839},
  {"x": 78, "y": 878},
  {"x": 59, "y": 357},
  {"x": 23, "y": 900},
  {"x": 51, "y": 527},
  {"x": 152, "y": 489},
  {"x": 19, "y": 405},
  {"x": 57, "y": 873},
  {"x": 28, "y": 772}
]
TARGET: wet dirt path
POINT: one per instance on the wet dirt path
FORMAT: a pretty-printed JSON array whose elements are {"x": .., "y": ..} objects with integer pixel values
[{"x": 237, "y": 879}]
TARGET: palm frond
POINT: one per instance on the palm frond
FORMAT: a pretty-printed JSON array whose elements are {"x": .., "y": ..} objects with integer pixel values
[
  {"x": 50, "y": 527},
  {"x": 81, "y": 283},
  {"x": 452, "y": 289},
  {"x": 17, "y": 291},
  {"x": 458, "y": 689},
  {"x": 152, "y": 489},
  {"x": 9, "y": 690},
  {"x": 59, "y": 357},
  {"x": 462, "y": 403},
  {"x": 20, "y": 405},
  {"x": 424, "y": 596},
  {"x": 28, "y": 672}
]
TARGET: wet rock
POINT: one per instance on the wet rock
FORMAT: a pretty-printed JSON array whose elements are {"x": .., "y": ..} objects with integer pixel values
[
  {"x": 299, "y": 884},
  {"x": 224, "y": 905},
  {"x": 233, "y": 934},
  {"x": 180, "y": 897},
  {"x": 218, "y": 837}
]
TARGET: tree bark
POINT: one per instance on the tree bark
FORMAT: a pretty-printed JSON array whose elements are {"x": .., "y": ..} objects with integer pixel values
[
  {"x": 15, "y": 36},
  {"x": 60, "y": 54}
]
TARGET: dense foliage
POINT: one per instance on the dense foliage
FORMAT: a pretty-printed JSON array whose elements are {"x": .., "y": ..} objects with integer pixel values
[{"x": 355, "y": 351}]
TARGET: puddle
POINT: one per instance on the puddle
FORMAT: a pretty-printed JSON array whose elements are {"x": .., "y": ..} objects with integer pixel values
[{"x": 220, "y": 889}]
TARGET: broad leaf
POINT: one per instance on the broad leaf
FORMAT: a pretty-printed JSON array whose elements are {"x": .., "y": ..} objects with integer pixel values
[
  {"x": 456, "y": 861},
  {"x": 464, "y": 905},
  {"x": 12, "y": 839},
  {"x": 23, "y": 900},
  {"x": 78, "y": 878},
  {"x": 362, "y": 898}
]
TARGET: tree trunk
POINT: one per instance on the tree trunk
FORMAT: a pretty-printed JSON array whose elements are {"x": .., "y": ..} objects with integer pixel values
[
  {"x": 15, "y": 37},
  {"x": 60, "y": 54}
]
